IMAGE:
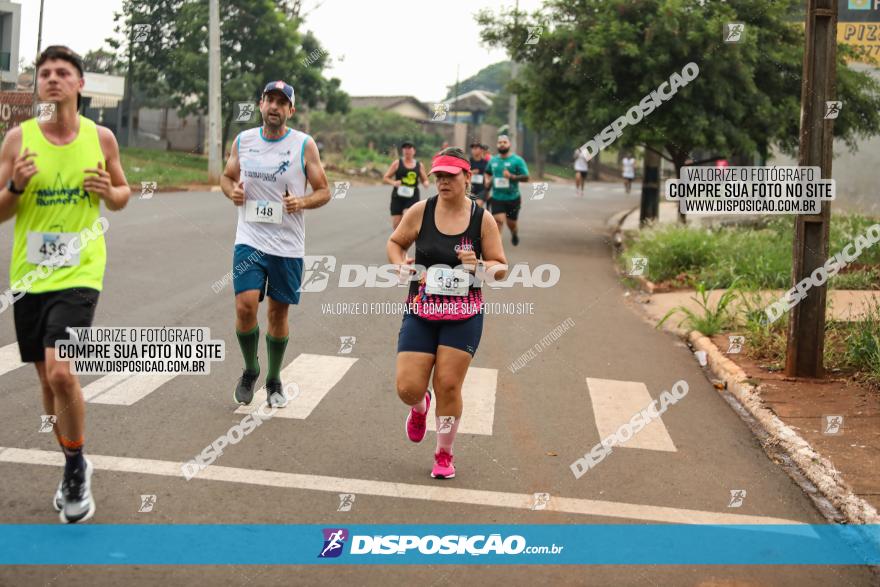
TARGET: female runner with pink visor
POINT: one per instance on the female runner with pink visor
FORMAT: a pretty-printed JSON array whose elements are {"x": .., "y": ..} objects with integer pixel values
[{"x": 455, "y": 241}]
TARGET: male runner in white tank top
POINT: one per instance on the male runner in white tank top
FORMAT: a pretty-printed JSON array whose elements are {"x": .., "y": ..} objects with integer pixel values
[{"x": 266, "y": 177}]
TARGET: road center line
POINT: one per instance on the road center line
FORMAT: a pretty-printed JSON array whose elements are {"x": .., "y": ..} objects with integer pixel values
[{"x": 479, "y": 497}]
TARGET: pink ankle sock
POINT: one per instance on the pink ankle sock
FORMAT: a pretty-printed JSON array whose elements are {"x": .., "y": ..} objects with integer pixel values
[
  {"x": 422, "y": 406},
  {"x": 447, "y": 426}
]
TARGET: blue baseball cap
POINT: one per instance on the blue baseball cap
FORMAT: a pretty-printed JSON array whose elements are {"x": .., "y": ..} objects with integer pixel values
[{"x": 280, "y": 86}]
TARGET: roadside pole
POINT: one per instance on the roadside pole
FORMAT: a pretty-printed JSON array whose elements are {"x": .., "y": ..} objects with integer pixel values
[{"x": 806, "y": 327}]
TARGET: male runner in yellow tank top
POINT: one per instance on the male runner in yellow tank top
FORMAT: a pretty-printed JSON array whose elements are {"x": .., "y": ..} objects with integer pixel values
[{"x": 54, "y": 174}]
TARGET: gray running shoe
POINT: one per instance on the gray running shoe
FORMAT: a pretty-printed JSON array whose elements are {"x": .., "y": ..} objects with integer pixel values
[
  {"x": 244, "y": 389},
  {"x": 276, "y": 396}
]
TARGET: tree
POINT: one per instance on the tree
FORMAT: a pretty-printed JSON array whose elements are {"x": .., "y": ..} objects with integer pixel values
[
  {"x": 596, "y": 59},
  {"x": 259, "y": 42},
  {"x": 103, "y": 61},
  {"x": 491, "y": 78}
]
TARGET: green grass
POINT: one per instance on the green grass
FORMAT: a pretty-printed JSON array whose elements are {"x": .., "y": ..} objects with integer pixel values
[
  {"x": 862, "y": 345},
  {"x": 759, "y": 257},
  {"x": 166, "y": 168},
  {"x": 850, "y": 347},
  {"x": 358, "y": 157},
  {"x": 708, "y": 320},
  {"x": 563, "y": 171}
]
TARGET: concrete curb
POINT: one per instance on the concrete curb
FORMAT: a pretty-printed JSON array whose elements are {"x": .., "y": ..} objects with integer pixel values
[
  {"x": 614, "y": 223},
  {"x": 818, "y": 469}
]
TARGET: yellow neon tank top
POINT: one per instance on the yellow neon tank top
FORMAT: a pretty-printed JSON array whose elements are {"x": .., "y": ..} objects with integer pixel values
[{"x": 54, "y": 202}]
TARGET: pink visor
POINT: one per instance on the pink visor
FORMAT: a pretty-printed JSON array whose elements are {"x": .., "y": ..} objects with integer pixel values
[{"x": 449, "y": 164}]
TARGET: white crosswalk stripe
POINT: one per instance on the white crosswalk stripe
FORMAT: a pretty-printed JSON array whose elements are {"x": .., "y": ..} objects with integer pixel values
[
  {"x": 122, "y": 389},
  {"x": 615, "y": 402},
  {"x": 315, "y": 375},
  {"x": 10, "y": 360},
  {"x": 478, "y": 396}
]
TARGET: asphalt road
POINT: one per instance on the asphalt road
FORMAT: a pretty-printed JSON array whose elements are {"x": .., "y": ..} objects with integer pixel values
[{"x": 166, "y": 252}]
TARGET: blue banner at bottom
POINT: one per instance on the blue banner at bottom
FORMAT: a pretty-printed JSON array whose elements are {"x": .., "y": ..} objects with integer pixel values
[{"x": 530, "y": 544}]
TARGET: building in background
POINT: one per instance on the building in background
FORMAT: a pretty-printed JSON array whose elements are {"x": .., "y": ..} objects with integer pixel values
[
  {"x": 406, "y": 106},
  {"x": 471, "y": 107},
  {"x": 10, "y": 31}
]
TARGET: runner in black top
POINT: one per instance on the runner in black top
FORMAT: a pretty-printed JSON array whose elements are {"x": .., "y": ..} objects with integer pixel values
[
  {"x": 454, "y": 238},
  {"x": 479, "y": 185},
  {"x": 404, "y": 174}
]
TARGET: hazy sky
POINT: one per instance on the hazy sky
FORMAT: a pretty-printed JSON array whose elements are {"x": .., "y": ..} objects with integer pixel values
[{"x": 388, "y": 46}]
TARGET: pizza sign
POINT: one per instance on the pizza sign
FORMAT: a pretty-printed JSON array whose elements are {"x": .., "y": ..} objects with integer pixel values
[{"x": 858, "y": 25}]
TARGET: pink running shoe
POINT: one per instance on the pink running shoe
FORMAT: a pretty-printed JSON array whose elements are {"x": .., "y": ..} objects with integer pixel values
[
  {"x": 443, "y": 467},
  {"x": 416, "y": 423}
]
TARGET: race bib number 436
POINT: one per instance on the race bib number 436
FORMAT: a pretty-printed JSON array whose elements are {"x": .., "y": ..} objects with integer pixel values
[
  {"x": 444, "y": 281},
  {"x": 262, "y": 211},
  {"x": 51, "y": 248}
]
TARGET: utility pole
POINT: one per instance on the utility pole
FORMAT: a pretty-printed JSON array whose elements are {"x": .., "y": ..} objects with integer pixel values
[
  {"x": 511, "y": 111},
  {"x": 39, "y": 47},
  {"x": 806, "y": 326},
  {"x": 214, "y": 147},
  {"x": 128, "y": 83},
  {"x": 455, "y": 105},
  {"x": 511, "y": 108}
]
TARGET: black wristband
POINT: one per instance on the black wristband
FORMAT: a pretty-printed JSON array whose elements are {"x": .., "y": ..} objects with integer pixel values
[{"x": 10, "y": 185}]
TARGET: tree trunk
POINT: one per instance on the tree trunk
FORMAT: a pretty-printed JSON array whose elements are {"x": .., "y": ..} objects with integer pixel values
[
  {"x": 539, "y": 156},
  {"x": 595, "y": 172},
  {"x": 650, "y": 207},
  {"x": 679, "y": 159}
]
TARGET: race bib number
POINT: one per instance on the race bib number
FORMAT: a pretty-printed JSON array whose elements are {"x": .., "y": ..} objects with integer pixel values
[
  {"x": 51, "y": 248},
  {"x": 262, "y": 211},
  {"x": 502, "y": 182},
  {"x": 444, "y": 281},
  {"x": 406, "y": 191},
  {"x": 477, "y": 179}
]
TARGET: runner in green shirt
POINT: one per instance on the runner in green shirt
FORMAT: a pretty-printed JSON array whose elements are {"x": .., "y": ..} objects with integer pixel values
[
  {"x": 507, "y": 170},
  {"x": 54, "y": 171}
]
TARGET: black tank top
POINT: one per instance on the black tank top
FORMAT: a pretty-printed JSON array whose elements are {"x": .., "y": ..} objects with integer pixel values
[
  {"x": 408, "y": 177},
  {"x": 478, "y": 167},
  {"x": 435, "y": 248}
]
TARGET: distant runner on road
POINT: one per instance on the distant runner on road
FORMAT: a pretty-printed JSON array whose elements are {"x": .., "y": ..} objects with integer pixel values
[
  {"x": 266, "y": 178},
  {"x": 629, "y": 171},
  {"x": 479, "y": 184},
  {"x": 404, "y": 174},
  {"x": 507, "y": 170},
  {"x": 581, "y": 168}
]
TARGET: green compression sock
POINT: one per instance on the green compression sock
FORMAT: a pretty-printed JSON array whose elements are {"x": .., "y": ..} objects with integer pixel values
[
  {"x": 276, "y": 347},
  {"x": 249, "y": 341}
]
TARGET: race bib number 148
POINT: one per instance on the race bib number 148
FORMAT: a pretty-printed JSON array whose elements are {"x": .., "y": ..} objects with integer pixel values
[{"x": 262, "y": 211}]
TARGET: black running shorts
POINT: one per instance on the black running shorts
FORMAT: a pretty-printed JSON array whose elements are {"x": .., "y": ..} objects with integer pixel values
[{"x": 41, "y": 319}]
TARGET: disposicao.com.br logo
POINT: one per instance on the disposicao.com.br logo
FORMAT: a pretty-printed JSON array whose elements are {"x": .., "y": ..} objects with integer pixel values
[{"x": 334, "y": 540}]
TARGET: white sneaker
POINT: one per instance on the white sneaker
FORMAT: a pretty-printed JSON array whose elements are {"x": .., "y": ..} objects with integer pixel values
[
  {"x": 78, "y": 505},
  {"x": 58, "y": 500}
]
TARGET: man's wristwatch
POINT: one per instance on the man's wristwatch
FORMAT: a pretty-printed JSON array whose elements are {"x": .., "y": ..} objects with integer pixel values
[{"x": 10, "y": 185}]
